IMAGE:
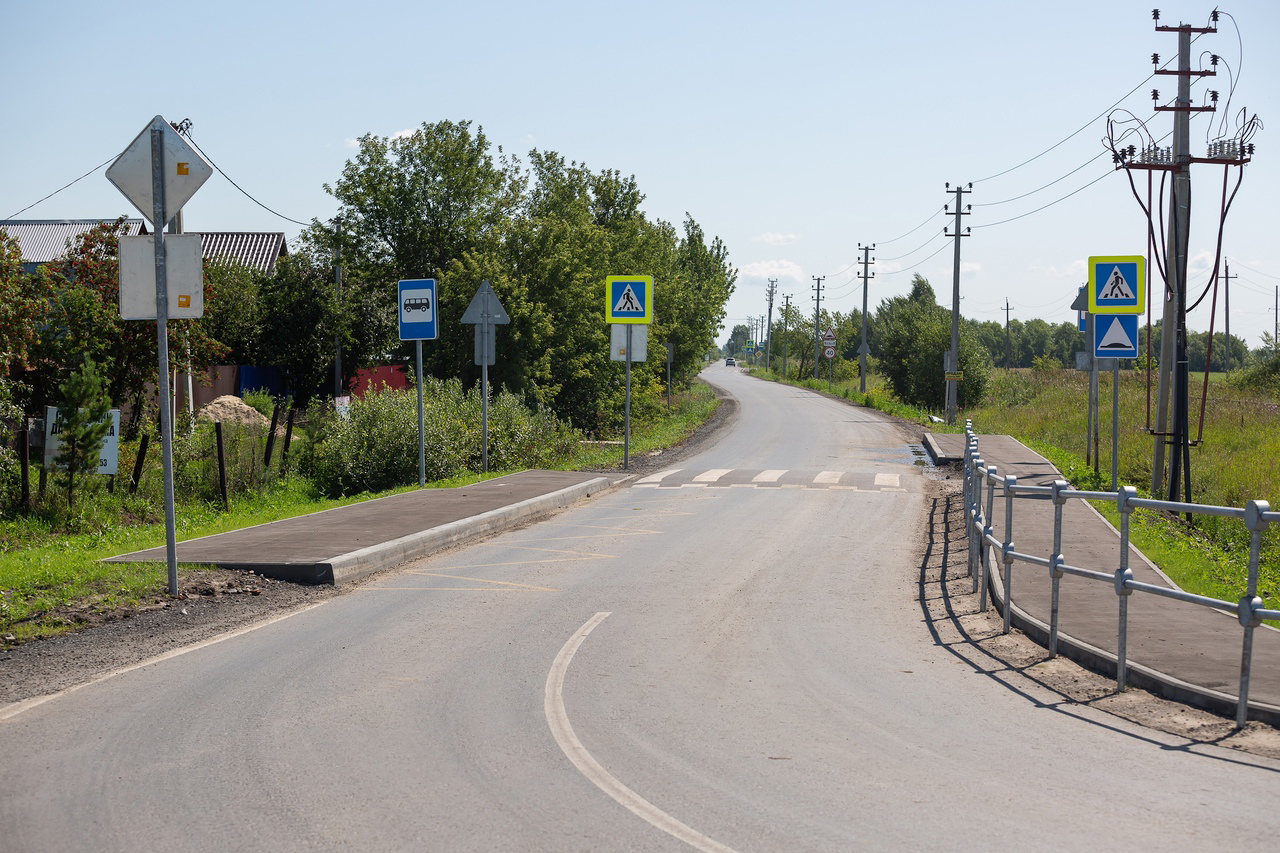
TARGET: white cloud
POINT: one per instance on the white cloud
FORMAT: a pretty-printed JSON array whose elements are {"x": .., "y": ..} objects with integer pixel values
[
  {"x": 773, "y": 238},
  {"x": 779, "y": 269}
]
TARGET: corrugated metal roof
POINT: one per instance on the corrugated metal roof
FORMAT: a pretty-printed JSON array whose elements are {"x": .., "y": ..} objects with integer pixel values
[
  {"x": 42, "y": 240},
  {"x": 257, "y": 250}
]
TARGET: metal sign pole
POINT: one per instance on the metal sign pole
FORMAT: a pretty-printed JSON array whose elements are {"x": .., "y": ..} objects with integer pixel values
[
  {"x": 626, "y": 418},
  {"x": 486, "y": 326},
  {"x": 158, "y": 220},
  {"x": 1115, "y": 423},
  {"x": 422, "y": 440}
]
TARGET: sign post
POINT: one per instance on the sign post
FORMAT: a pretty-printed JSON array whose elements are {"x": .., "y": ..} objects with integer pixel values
[
  {"x": 1117, "y": 295},
  {"x": 158, "y": 172},
  {"x": 628, "y": 300},
  {"x": 484, "y": 312},
  {"x": 416, "y": 301}
]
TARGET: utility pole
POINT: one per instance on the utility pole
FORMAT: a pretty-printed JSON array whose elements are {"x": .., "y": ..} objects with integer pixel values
[
  {"x": 863, "y": 348},
  {"x": 1227, "y": 313},
  {"x": 337, "y": 338},
  {"x": 768, "y": 345},
  {"x": 786, "y": 311},
  {"x": 817, "y": 318},
  {"x": 952, "y": 367},
  {"x": 1008, "y": 336}
]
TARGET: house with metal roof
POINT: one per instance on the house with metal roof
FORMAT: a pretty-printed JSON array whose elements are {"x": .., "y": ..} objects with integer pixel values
[{"x": 44, "y": 240}]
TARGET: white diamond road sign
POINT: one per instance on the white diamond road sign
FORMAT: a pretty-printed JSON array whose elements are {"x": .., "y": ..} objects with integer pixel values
[
  {"x": 417, "y": 301},
  {"x": 1117, "y": 284},
  {"x": 185, "y": 171}
]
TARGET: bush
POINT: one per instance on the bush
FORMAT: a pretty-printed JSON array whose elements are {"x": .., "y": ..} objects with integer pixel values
[{"x": 375, "y": 446}]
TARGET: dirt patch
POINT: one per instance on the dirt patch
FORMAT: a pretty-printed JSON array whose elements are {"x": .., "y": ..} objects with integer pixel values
[
  {"x": 951, "y": 611},
  {"x": 231, "y": 409},
  {"x": 210, "y": 602}
]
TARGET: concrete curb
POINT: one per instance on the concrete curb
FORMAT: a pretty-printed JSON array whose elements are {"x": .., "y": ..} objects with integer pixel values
[
  {"x": 936, "y": 453},
  {"x": 386, "y": 555}
]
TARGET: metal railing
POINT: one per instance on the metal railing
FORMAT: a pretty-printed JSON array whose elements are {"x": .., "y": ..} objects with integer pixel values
[{"x": 982, "y": 543}]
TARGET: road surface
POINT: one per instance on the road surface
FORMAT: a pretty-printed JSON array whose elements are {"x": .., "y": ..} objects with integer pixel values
[{"x": 728, "y": 656}]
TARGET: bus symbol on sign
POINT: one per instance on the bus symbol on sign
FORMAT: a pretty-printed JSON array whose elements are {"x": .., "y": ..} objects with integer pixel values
[{"x": 417, "y": 298}]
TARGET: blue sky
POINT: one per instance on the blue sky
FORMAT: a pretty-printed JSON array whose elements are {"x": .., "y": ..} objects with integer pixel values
[{"x": 793, "y": 131}]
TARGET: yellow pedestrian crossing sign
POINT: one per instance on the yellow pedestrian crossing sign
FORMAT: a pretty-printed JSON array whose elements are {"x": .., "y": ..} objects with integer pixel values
[
  {"x": 1117, "y": 284},
  {"x": 629, "y": 299}
]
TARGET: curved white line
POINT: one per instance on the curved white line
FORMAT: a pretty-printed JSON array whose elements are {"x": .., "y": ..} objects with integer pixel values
[
  {"x": 558, "y": 720},
  {"x": 8, "y": 712}
]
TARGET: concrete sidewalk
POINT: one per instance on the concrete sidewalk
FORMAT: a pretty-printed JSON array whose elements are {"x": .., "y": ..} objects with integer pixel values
[
  {"x": 1183, "y": 651},
  {"x": 348, "y": 542}
]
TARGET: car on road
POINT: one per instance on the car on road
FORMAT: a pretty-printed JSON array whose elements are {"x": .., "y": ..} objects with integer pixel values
[{"x": 730, "y": 362}]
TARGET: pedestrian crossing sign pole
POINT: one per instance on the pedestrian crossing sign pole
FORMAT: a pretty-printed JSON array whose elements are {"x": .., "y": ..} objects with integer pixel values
[
  {"x": 628, "y": 300},
  {"x": 1117, "y": 284}
]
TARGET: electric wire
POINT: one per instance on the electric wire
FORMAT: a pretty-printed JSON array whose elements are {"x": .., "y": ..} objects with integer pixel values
[
  {"x": 909, "y": 233},
  {"x": 191, "y": 139},
  {"x": 1046, "y": 206},
  {"x": 917, "y": 265},
  {"x": 60, "y": 189},
  {"x": 916, "y": 249}
]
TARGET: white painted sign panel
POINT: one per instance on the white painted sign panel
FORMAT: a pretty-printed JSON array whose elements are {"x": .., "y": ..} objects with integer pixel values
[
  {"x": 185, "y": 171},
  {"x": 184, "y": 277}
]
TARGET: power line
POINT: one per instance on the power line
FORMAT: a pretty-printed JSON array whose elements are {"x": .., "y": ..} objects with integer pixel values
[
  {"x": 932, "y": 214},
  {"x": 237, "y": 186},
  {"x": 55, "y": 192},
  {"x": 1050, "y": 204}
]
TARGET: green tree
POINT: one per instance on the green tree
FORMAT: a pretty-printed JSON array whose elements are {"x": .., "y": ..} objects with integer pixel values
[
  {"x": 83, "y": 423},
  {"x": 298, "y": 324}
]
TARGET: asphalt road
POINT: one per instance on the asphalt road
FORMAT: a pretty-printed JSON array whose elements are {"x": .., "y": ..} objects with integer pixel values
[{"x": 727, "y": 656}]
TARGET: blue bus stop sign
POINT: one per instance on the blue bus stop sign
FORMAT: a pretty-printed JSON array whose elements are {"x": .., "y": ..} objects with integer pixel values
[{"x": 417, "y": 309}]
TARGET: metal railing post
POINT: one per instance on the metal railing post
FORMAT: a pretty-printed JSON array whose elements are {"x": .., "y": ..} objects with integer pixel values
[
  {"x": 975, "y": 514},
  {"x": 1250, "y": 603},
  {"x": 987, "y": 531},
  {"x": 1006, "y": 551},
  {"x": 1123, "y": 576},
  {"x": 1055, "y": 563}
]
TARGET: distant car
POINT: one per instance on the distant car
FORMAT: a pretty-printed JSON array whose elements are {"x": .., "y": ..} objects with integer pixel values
[{"x": 730, "y": 362}]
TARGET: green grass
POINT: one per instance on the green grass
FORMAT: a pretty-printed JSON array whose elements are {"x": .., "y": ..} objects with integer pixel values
[
  {"x": 52, "y": 578},
  {"x": 1047, "y": 411}
]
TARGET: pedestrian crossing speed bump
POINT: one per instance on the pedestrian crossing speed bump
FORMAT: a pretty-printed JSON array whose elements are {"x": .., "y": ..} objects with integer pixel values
[
  {"x": 629, "y": 299},
  {"x": 1117, "y": 284}
]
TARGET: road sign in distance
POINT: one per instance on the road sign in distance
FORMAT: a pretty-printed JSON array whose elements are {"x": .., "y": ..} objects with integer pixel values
[
  {"x": 829, "y": 352},
  {"x": 416, "y": 299},
  {"x": 185, "y": 171},
  {"x": 1117, "y": 284},
  {"x": 629, "y": 299}
]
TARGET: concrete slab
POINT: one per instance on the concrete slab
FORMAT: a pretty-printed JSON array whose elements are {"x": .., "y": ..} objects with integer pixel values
[
  {"x": 345, "y": 543},
  {"x": 1183, "y": 651}
]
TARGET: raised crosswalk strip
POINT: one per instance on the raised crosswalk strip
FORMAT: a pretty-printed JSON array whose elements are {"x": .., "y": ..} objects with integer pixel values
[{"x": 772, "y": 478}]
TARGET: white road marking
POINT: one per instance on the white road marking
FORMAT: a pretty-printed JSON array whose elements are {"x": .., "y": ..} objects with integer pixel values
[
  {"x": 562, "y": 731},
  {"x": 892, "y": 480},
  {"x": 830, "y": 478},
  {"x": 10, "y": 711},
  {"x": 656, "y": 478},
  {"x": 712, "y": 475},
  {"x": 771, "y": 476}
]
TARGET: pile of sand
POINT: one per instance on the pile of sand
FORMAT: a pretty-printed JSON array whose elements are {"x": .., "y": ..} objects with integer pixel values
[{"x": 231, "y": 409}]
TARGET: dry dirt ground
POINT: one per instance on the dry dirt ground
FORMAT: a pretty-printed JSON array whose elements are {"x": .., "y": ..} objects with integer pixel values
[{"x": 213, "y": 602}]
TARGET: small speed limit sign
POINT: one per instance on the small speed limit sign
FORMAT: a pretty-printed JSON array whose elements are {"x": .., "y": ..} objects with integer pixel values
[{"x": 829, "y": 352}]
